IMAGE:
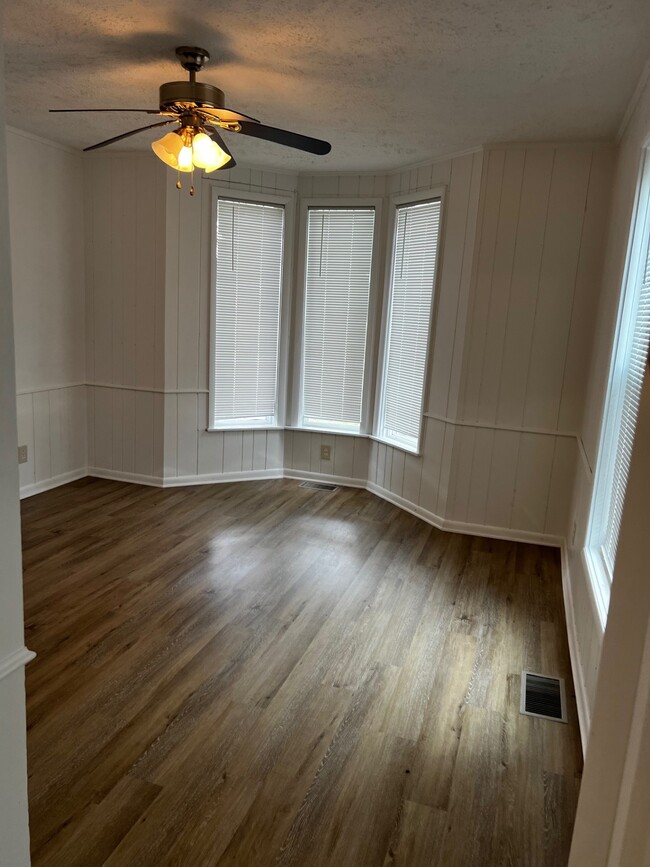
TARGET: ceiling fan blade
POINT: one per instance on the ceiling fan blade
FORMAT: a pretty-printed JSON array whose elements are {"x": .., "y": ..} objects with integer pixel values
[
  {"x": 284, "y": 137},
  {"x": 138, "y": 110},
  {"x": 214, "y": 135},
  {"x": 227, "y": 115},
  {"x": 102, "y": 144}
]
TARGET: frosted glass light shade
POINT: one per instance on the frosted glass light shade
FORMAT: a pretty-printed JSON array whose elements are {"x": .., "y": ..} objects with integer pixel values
[
  {"x": 207, "y": 154},
  {"x": 170, "y": 149}
]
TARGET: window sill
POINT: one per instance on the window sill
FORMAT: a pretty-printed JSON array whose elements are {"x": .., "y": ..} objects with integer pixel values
[
  {"x": 333, "y": 432},
  {"x": 239, "y": 428},
  {"x": 417, "y": 453}
]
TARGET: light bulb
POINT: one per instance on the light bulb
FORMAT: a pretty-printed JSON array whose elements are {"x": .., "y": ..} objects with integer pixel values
[
  {"x": 201, "y": 150},
  {"x": 185, "y": 159}
]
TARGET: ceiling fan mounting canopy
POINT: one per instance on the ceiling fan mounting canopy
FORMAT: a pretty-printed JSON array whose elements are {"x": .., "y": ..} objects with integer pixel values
[{"x": 191, "y": 58}]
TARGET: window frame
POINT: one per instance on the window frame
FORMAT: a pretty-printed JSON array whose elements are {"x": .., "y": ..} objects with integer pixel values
[
  {"x": 396, "y": 201},
  {"x": 221, "y": 191},
  {"x": 597, "y": 562},
  {"x": 295, "y": 414}
]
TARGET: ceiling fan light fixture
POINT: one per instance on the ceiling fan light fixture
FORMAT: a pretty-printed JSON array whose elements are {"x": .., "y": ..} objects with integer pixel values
[
  {"x": 206, "y": 153},
  {"x": 170, "y": 150}
]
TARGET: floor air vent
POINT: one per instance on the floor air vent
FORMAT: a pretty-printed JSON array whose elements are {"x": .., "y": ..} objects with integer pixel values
[
  {"x": 543, "y": 696},
  {"x": 319, "y": 486}
]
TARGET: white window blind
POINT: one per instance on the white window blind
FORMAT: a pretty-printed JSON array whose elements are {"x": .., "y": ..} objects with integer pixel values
[
  {"x": 635, "y": 354},
  {"x": 337, "y": 296},
  {"x": 415, "y": 251},
  {"x": 248, "y": 284}
]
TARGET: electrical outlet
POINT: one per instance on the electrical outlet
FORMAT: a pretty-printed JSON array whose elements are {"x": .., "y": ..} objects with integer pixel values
[
  {"x": 326, "y": 453},
  {"x": 22, "y": 454}
]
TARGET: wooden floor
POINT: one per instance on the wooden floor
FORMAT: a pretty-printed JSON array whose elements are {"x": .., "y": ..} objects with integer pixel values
[{"x": 260, "y": 674}]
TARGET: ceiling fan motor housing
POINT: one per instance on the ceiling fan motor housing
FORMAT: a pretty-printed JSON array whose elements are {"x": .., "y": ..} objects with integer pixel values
[{"x": 190, "y": 93}]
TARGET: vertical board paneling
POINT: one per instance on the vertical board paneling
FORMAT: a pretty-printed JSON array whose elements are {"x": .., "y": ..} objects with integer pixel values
[
  {"x": 396, "y": 481},
  {"x": 144, "y": 433},
  {"x": 466, "y": 276},
  {"x": 128, "y": 431},
  {"x": 42, "y": 438},
  {"x": 259, "y": 450},
  {"x": 210, "y": 458},
  {"x": 187, "y": 434},
  {"x": 103, "y": 402},
  {"x": 344, "y": 457},
  {"x": 247, "y": 451},
  {"x": 274, "y": 450},
  {"x": 431, "y": 464},
  {"x": 583, "y": 314},
  {"x": 451, "y": 270},
  {"x": 479, "y": 309},
  {"x": 361, "y": 459},
  {"x": 565, "y": 460},
  {"x": 558, "y": 270},
  {"x": 534, "y": 463},
  {"x": 301, "y": 453},
  {"x": 232, "y": 451},
  {"x": 25, "y": 421},
  {"x": 480, "y": 467},
  {"x": 503, "y": 471},
  {"x": 461, "y": 473},
  {"x": 505, "y": 273},
  {"x": 533, "y": 209},
  {"x": 500, "y": 284}
]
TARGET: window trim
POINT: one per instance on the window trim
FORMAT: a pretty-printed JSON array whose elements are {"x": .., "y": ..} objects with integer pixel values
[
  {"x": 396, "y": 201},
  {"x": 597, "y": 563},
  {"x": 295, "y": 409},
  {"x": 222, "y": 191}
]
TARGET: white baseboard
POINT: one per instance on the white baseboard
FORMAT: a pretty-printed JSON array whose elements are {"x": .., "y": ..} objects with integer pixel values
[
  {"x": 584, "y": 716},
  {"x": 54, "y": 482},
  {"x": 221, "y": 478},
  {"x": 184, "y": 481},
  {"x": 509, "y": 535},
  {"x": 308, "y": 476},
  {"x": 17, "y": 658},
  {"x": 120, "y": 476}
]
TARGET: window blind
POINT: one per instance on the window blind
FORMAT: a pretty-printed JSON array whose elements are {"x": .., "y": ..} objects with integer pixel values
[
  {"x": 249, "y": 243},
  {"x": 415, "y": 247},
  {"x": 633, "y": 383},
  {"x": 337, "y": 296}
]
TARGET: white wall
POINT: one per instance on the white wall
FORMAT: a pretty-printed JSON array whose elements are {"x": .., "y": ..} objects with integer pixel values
[
  {"x": 125, "y": 313},
  {"x": 511, "y": 342},
  {"x": 14, "y": 829},
  {"x": 47, "y": 261},
  {"x": 586, "y": 628},
  {"x": 523, "y": 233}
]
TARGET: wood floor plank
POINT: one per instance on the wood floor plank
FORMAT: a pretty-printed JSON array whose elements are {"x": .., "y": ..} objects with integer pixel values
[{"x": 259, "y": 674}]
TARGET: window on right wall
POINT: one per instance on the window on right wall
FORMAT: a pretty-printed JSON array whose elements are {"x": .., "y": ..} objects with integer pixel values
[
  {"x": 628, "y": 363},
  {"x": 407, "y": 323}
]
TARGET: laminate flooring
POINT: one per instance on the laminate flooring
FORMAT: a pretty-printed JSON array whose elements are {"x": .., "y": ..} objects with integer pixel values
[{"x": 259, "y": 674}]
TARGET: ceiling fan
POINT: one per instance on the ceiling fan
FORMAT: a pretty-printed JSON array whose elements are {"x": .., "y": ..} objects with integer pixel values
[{"x": 198, "y": 109}]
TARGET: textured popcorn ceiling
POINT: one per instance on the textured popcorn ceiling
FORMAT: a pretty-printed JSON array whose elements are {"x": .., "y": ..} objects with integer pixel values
[{"x": 388, "y": 83}]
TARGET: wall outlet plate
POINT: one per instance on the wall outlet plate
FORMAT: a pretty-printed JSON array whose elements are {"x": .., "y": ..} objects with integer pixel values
[
  {"x": 22, "y": 454},
  {"x": 326, "y": 453}
]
